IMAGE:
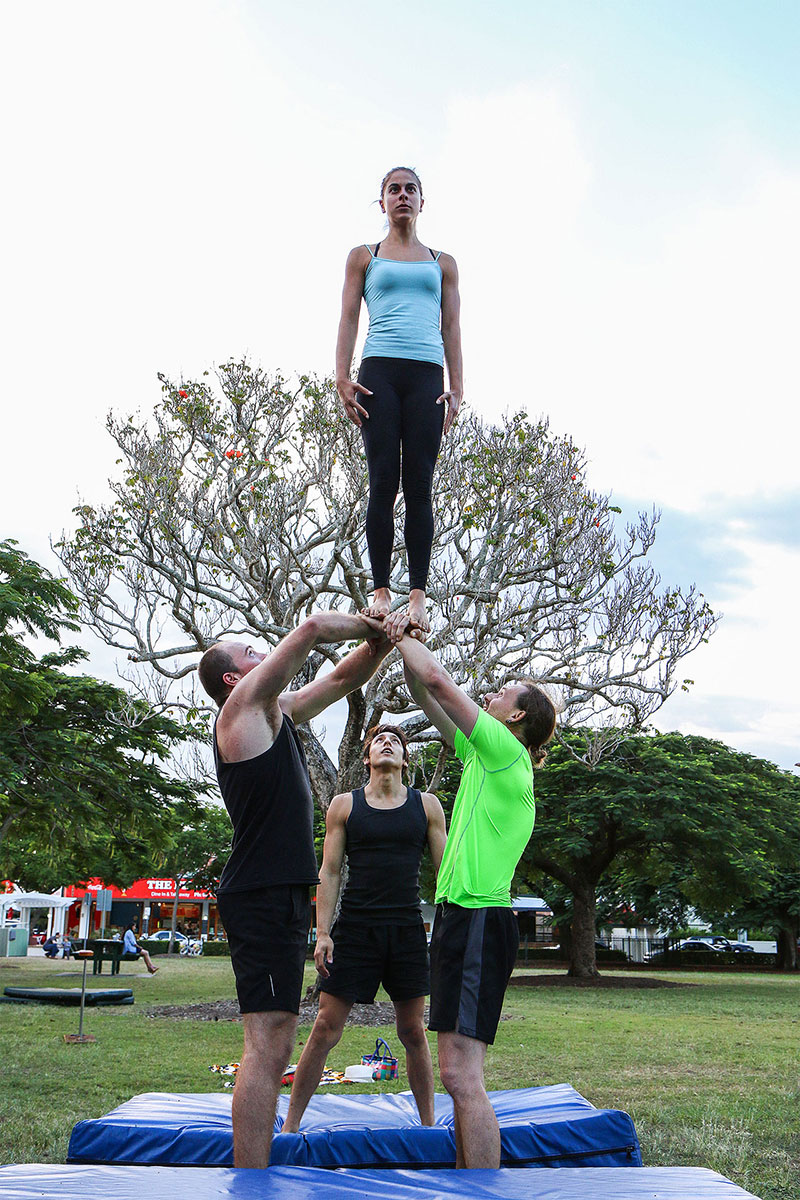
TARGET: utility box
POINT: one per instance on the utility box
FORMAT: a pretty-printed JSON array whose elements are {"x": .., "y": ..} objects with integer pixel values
[{"x": 13, "y": 942}]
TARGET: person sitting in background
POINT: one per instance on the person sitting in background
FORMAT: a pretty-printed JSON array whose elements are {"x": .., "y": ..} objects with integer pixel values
[
  {"x": 132, "y": 949},
  {"x": 51, "y": 946}
]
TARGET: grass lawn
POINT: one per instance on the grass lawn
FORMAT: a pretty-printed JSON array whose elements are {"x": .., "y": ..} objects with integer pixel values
[{"x": 709, "y": 1072}]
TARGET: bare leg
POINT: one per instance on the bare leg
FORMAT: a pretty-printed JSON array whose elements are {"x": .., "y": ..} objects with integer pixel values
[
  {"x": 268, "y": 1045},
  {"x": 323, "y": 1037},
  {"x": 381, "y": 603},
  {"x": 148, "y": 962},
  {"x": 409, "y": 1016},
  {"x": 459, "y": 1142},
  {"x": 417, "y": 610},
  {"x": 477, "y": 1132}
]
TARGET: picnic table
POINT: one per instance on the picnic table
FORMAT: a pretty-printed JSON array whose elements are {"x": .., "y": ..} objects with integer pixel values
[{"x": 105, "y": 950}]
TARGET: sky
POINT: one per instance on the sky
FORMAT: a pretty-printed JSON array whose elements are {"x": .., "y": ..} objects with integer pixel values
[{"x": 619, "y": 181}]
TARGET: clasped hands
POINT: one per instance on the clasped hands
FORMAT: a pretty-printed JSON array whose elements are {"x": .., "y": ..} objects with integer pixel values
[{"x": 395, "y": 626}]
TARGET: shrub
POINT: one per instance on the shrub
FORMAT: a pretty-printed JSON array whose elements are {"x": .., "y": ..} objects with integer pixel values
[
  {"x": 154, "y": 946},
  {"x": 611, "y": 956},
  {"x": 216, "y": 949}
]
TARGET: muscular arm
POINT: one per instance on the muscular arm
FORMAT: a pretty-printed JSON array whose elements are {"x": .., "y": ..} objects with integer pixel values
[
  {"x": 356, "y": 669},
  {"x": 330, "y": 874},
  {"x": 437, "y": 829},
  {"x": 433, "y": 711},
  {"x": 439, "y": 697},
  {"x": 253, "y": 710}
]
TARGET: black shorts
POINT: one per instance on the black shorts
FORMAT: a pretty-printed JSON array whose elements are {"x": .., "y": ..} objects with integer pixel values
[
  {"x": 366, "y": 956},
  {"x": 267, "y": 932},
  {"x": 473, "y": 952}
]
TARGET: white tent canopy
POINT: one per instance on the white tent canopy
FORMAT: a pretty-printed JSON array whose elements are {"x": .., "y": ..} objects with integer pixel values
[
  {"x": 22, "y": 900},
  {"x": 25, "y": 902}
]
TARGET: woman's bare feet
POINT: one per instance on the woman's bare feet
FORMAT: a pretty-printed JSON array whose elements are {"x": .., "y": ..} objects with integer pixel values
[
  {"x": 418, "y": 613},
  {"x": 381, "y": 604}
]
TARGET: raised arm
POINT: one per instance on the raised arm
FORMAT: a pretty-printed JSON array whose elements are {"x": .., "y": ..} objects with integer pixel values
[
  {"x": 330, "y": 875},
  {"x": 437, "y": 829},
  {"x": 262, "y": 686},
  {"x": 451, "y": 338},
  {"x": 439, "y": 697},
  {"x": 352, "y": 292},
  {"x": 356, "y": 669},
  {"x": 433, "y": 711},
  {"x": 451, "y": 708}
]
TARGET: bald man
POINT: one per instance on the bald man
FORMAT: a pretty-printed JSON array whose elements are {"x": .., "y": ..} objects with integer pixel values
[{"x": 263, "y": 896}]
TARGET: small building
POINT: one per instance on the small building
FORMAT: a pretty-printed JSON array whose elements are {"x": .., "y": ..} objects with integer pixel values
[
  {"x": 148, "y": 902},
  {"x": 535, "y": 919}
]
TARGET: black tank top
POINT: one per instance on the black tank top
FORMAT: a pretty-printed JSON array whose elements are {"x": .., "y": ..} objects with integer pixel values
[
  {"x": 384, "y": 848},
  {"x": 269, "y": 802}
]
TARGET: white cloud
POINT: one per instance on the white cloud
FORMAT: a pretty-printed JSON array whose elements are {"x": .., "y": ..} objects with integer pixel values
[
  {"x": 176, "y": 202},
  {"x": 178, "y": 198},
  {"x": 674, "y": 365},
  {"x": 744, "y": 679}
]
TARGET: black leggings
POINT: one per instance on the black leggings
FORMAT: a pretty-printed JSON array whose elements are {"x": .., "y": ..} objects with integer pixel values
[{"x": 401, "y": 438}]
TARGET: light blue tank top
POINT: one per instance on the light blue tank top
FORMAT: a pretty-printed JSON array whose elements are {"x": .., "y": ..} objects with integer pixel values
[{"x": 404, "y": 301}]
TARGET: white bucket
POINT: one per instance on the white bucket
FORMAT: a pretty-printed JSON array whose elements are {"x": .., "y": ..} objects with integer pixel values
[{"x": 359, "y": 1073}]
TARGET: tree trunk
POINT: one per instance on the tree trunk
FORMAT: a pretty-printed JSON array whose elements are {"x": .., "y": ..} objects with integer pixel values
[
  {"x": 787, "y": 946},
  {"x": 321, "y": 770},
  {"x": 583, "y": 961},
  {"x": 351, "y": 772},
  {"x": 173, "y": 944}
]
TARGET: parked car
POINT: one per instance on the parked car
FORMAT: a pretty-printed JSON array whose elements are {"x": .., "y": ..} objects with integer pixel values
[
  {"x": 723, "y": 943},
  {"x": 688, "y": 944},
  {"x": 185, "y": 945}
]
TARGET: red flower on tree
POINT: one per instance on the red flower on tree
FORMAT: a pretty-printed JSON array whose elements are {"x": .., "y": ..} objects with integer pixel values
[{"x": 183, "y": 395}]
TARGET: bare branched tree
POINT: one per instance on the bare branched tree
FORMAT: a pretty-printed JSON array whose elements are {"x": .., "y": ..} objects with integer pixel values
[{"x": 240, "y": 509}]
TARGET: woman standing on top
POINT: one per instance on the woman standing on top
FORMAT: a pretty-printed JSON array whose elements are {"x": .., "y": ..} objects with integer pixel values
[{"x": 399, "y": 401}]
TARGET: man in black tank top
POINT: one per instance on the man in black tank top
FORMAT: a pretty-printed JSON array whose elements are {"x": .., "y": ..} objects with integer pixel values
[
  {"x": 263, "y": 896},
  {"x": 379, "y": 937}
]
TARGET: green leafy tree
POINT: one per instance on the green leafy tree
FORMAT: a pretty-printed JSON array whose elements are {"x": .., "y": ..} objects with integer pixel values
[
  {"x": 199, "y": 846},
  {"x": 240, "y": 507},
  {"x": 776, "y": 907},
  {"x": 663, "y": 810},
  {"x": 84, "y": 788}
]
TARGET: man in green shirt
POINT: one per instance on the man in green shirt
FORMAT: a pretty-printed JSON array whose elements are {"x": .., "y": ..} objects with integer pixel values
[{"x": 475, "y": 939}]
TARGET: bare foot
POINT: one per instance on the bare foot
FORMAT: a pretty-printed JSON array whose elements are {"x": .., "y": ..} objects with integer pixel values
[
  {"x": 380, "y": 605},
  {"x": 418, "y": 614},
  {"x": 153, "y": 971}
]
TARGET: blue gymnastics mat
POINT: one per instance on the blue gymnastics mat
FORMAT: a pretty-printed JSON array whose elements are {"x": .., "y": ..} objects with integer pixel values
[
  {"x": 544, "y": 1126},
  {"x": 97, "y": 1182}
]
